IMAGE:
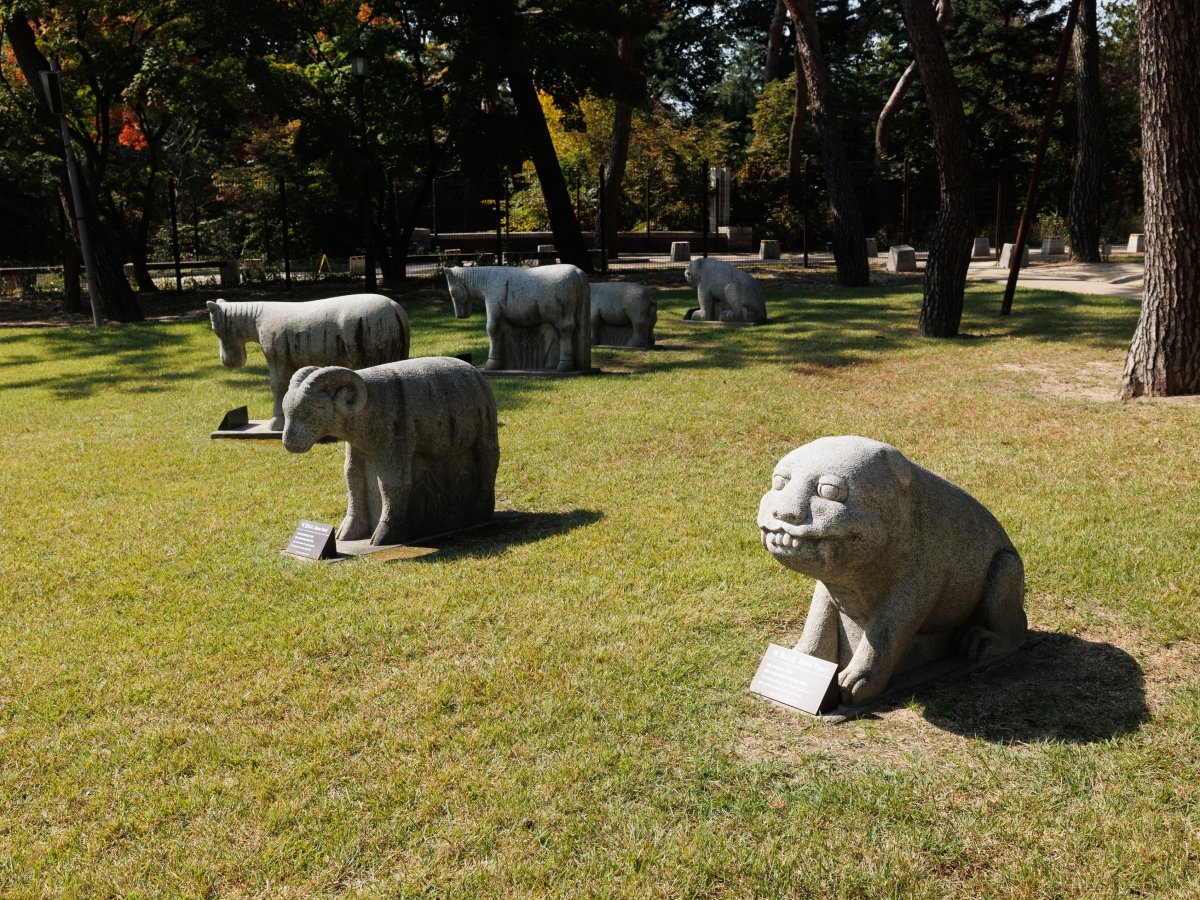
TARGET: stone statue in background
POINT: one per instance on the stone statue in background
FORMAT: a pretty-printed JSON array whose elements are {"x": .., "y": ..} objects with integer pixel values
[
  {"x": 356, "y": 331},
  {"x": 725, "y": 292},
  {"x": 909, "y": 568},
  {"x": 421, "y": 443},
  {"x": 537, "y": 319},
  {"x": 623, "y": 314}
]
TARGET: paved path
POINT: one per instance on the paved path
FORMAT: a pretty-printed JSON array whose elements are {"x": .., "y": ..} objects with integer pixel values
[{"x": 1114, "y": 279}]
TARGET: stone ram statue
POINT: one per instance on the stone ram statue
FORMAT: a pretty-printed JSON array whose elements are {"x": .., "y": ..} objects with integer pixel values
[
  {"x": 909, "y": 567},
  {"x": 623, "y": 314},
  {"x": 725, "y": 292},
  {"x": 421, "y": 443},
  {"x": 357, "y": 331},
  {"x": 536, "y": 318}
]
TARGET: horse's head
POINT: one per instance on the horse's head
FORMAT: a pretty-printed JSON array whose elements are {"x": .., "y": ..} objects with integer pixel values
[
  {"x": 460, "y": 296},
  {"x": 233, "y": 348}
]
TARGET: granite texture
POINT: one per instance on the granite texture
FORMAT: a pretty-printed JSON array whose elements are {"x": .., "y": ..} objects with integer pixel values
[
  {"x": 910, "y": 569},
  {"x": 421, "y": 443},
  {"x": 623, "y": 314},
  {"x": 725, "y": 292},
  {"x": 356, "y": 331},
  {"x": 537, "y": 319}
]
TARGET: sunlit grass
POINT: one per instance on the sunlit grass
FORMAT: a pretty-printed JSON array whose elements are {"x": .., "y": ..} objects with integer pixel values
[{"x": 561, "y": 707}]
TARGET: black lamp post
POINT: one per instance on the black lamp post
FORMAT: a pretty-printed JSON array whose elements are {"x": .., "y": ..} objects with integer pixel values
[{"x": 358, "y": 65}]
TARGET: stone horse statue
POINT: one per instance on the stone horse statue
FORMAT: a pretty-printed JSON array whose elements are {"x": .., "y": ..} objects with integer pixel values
[
  {"x": 536, "y": 318},
  {"x": 355, "y": 331}
]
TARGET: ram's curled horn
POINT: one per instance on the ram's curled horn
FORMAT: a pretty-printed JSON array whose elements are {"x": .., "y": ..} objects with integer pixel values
[
  {"x": 344, "y": 385},
  {"x": 300, "y": 375}
]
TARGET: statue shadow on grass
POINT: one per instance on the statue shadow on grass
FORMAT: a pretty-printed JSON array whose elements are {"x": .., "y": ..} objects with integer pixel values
[
  {"x": 509, "y": 530},
  {"x": 1063, "y": 688}
]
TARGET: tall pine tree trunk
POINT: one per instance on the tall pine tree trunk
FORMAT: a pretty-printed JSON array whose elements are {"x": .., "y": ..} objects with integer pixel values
[
  {"x": 950, "y": 246},
  {"x": 774, "y": 68},
  {"x": 1084, "y": 206},
  {"x": 618, "y": 157},
  {"x": 1164, "y": 356},
  {"x": 796, "y": 137},
  {"x": 849, "y": 244},
  {"x": 116, "y": 300},
  {"x": 568, "y": 239}
]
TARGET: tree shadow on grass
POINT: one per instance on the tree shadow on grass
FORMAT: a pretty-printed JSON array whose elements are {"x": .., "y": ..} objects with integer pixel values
[
  {"x": 1062, "y": 688},
  {"x": 128, "y": 357},
  {"x": 511, "y": 530}
]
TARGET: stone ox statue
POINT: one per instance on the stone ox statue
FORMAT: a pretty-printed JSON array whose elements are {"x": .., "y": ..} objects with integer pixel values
[
  {"x": 623, "y": 314},
  {"x": 909, "y": 567},
  {"x": 536, "y": 318},
  {"x": 357, "y": 330},
  {"x": 725, "y": 292},
  {"x": 421, "y": 443}
]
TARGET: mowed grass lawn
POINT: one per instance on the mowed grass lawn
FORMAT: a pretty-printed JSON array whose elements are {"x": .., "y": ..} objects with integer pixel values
[{"x": 560, "y": 706}]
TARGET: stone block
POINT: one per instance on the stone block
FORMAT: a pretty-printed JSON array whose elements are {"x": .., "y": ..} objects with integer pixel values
[
  {"x": 681, "y": 251},
  {"x": 1137, "y": 244},
  {"x": 982, "y": 248},
  {"x": 229, "y": 274},
  {"x": 1006, "y": 257},
  {"x": 902, "y": 258},
  {"x": 768, "y": 249},
  {"x": 740, "y": 237}
]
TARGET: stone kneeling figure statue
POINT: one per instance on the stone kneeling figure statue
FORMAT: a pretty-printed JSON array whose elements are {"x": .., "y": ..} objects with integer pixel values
[
  {"x": 421, "y": 443},
  {"x": 910, "y": 568}
]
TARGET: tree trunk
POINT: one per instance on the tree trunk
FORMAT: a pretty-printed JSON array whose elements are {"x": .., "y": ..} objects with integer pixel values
[
  {"x": 1164, "y": 356},
  {"x": 72, "y": 264},
  {"x": 796, "y": 136},
  {"x": 950, "y": 245},
  {"x": 568, "y": 239},
  {"x": 884, "y": 124},
  {"x": 618, "y": 156},
  {"x": 1084, "y": 207},
  {"x": 849, "y": 243},
  {"x": 774, "y": 70},
  {"x": 116, "y": 300}
]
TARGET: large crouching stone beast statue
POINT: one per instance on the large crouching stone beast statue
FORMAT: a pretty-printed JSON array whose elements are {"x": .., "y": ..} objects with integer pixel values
[
  {"x": 421, "y": 443},
  {"x": 725, "y": 293},
  {"x": 357, "y": 331},
  {"x": 909, "y": 567}
]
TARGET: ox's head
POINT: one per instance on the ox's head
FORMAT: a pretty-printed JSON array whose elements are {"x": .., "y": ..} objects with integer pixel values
[
  {"x": 233, "y": 347},
  {"x": 321, "y": 401},
  {"x": 459, "y": 295}
]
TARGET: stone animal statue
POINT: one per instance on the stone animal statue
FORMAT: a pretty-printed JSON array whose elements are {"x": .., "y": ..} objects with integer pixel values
[
  {"x": 725, "y": 292},
  {"x": 421, "y": 443},
  {"x": 623, "y": 314},
  {"x": 909, "y": 567},
  {"x": 536, "y": 318},
  {"x": 357, "y": 330}
]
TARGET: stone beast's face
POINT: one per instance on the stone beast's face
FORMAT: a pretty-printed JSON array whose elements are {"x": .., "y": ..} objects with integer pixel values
[
  {"x": 459, "y": 295},
  {"x": 320, "y": 402},
  {"x": 233, "y": 349},
  {"x": 692, "y": 273},
  {"x": 836, "y": 507}
]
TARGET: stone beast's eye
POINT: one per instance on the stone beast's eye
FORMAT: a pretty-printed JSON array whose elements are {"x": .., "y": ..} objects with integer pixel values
[
  {"x": 831, "y": 489},
  {"x": 779, "y": 482}
]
